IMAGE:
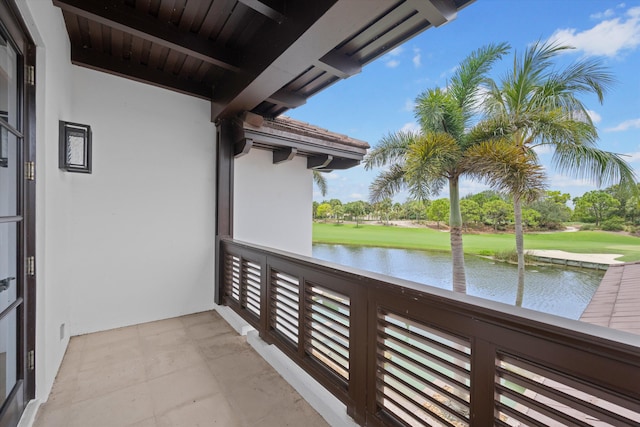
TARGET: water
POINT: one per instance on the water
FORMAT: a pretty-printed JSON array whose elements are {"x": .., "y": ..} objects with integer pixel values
[{"x": 555, "y": 290}]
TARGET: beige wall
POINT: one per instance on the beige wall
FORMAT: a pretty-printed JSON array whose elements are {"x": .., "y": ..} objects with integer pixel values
[{"x": 273, "y": 203}]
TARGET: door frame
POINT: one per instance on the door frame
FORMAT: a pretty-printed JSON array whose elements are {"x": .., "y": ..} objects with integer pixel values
[{"x": 24, "y": 390}]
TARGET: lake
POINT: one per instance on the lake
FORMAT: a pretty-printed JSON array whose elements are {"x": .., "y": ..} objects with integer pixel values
[{"x": 555, "y": 290}]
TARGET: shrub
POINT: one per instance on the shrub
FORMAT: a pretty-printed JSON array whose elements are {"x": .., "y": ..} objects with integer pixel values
[
  {"x": 613, "y": 224},
  {"x": 587, "y": 227}
]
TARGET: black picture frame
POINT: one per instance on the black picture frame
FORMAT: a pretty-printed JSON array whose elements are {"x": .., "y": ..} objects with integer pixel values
[{"x": 75, "y": 147}]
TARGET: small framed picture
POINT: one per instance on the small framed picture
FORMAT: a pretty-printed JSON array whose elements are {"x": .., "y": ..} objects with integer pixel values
[{"x": 75, "y": 147}]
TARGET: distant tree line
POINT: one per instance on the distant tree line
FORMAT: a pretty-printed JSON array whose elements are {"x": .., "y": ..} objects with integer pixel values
[{"x": 612, "y": 209}]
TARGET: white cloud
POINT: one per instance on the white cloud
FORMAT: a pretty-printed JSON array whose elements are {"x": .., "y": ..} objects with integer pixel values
[
  {"x": 392, "y": 63},
  {"x": 396, "y": 52},
  {"x": 595, "y": 117},
  {"x": 632, "y": 157},
  {"x": 627, "y": 124},
  {"x": 542, "y": 149},
  {"x": 416, "y": 57},
  {"x": 332, "y": 176},
  {"x": 561, "y": 181},
  {"x": 608, "y": 38},
  {"x": 600, "y": 15},
  {"x": 356, "y": 196},
  {"x": 410, "y": 127},
  {"x": 390, "y": 58},
  {"x": 448, "y": 72},
  {"x": 409, "y": 105}
]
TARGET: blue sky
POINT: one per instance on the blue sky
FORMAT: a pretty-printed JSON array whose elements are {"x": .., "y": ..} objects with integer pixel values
[{"x": 379, "y": 100}]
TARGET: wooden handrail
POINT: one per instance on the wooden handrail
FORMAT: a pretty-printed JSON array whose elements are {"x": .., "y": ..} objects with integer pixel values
[{"x": 406, "y": 341}]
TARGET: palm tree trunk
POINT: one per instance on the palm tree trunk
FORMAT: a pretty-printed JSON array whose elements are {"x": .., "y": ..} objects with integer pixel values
[
  {"x": 457, "y": 252},
  {"x": 517, "y": 210}
]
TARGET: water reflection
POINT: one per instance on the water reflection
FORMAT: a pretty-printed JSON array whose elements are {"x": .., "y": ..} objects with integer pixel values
[{"x": 556, "y": 290}]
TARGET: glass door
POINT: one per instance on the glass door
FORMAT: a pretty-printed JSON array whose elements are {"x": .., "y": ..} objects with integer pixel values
[{"x": 16, "y": 357}]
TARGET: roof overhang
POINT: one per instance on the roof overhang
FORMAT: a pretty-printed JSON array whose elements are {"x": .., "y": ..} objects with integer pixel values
[
  {"x": 288, "y": 138},
  {"x": 264, "y": 56}
]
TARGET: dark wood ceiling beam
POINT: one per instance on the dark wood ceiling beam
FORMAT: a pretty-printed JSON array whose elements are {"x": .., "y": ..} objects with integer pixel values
[
  {"x": 342, "y": 163},
  {"x": 242, "y": 147},
  {"x": 263, "y": 9},
  {"x": 287, "y": 99},
  {"x": 322, "y": 32},
  {"x": 284, "y": 155},
  {"x": 319, "y": 162},
  {"x": 437, "y": 12},
  {"x": 129, "y": 20},
  {"x": 106, "y": 63},
  {"x": 339, "y": 65}
]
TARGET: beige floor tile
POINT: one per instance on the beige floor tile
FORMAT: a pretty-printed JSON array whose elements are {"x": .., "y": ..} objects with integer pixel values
[
  {"x": 235, "y": 367},
  {"x": 180, "y": 387},
  {"x": 164, "y": 341},
  {"x": 149, "y": 422},
  {"x": 50, "y": 417},
  {"x": 107, "y": 378},
  {"x": 189, "y": 371},
  {"x": 203, "y": 317},
  {"x": 222, "y": 345},
  {"x": 152, "y": 328},
  {"x": 76, "y": 344},
  {"x": 110, "y": 337},
  {"x": 111, "y": 354},
  {"x": 265, "y": 396},
  {"x": 163, "y": 362},
  {"x": 210, "y": 411},
  {"x": 208, "y": 329},
  {"x": 62, "y": 393},
  {"x": 116, "y": 409}
]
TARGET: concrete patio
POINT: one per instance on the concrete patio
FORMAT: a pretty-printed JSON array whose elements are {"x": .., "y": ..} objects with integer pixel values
[{"x": 187, "y": 371}]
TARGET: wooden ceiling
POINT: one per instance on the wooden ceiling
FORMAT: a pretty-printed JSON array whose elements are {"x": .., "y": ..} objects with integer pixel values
[{"x": 263, "y": 56}]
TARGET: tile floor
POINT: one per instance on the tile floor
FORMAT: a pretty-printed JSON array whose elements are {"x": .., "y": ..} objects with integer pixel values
[{"x": 187, "y": 371}]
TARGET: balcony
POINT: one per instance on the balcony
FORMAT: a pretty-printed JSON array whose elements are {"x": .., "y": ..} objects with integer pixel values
[
  {"x": 186, "y": 371},
  {"x": 395, "y": 353}
]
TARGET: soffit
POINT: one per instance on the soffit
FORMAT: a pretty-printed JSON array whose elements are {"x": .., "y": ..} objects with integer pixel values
[
  {"x": 264, "y": 56},
  {"x": 287, "y": 138}
]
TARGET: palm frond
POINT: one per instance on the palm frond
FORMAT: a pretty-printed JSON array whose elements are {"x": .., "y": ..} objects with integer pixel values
[
  {"x": 387, "y": 184},
  {"x": 390, "y": 149},
  {"x": 437, "y": 111},
  {"x": 320, "y": 182},
  {"x": 506, "y": 167},
  {"x": 429, "y": 161},
  {"x": 465, "y": 84},
  {"x": 595, "y": 165}
]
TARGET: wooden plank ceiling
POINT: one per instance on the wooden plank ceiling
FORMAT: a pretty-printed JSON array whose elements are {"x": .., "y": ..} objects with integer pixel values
[{"x": 263, "y": 56}]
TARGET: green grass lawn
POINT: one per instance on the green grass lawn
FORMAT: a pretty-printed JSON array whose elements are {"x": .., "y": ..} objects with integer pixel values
[{"x": 481, "y": 244}]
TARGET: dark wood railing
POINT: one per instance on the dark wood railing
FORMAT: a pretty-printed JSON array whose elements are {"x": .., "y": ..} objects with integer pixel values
[{"x": 399, "y": 353}]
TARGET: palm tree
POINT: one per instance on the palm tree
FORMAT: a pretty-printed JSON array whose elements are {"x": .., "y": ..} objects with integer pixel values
[
  {"x": 537, "y": 104},
  {"x": 320, "y": 181},
  {"x": 424, "y": 161}
]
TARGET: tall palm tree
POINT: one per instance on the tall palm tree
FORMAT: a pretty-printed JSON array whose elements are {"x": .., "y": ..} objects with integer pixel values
[
  {"x": 537, "y": 104},
  {"x": 423, "y": 162}
]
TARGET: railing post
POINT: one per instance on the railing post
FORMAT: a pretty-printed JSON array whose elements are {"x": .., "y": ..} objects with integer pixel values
[
  {"x": 483, "y": 376},
  {"x": 265, "y": 297},
  {"x": 361, "y": 327}
]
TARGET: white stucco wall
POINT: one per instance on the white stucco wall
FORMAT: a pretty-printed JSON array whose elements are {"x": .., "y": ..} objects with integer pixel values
[
  {"x": 143, "y": 232},
  {"x": 273, "y": 203},
  {"x": 134, "y": 241}
]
